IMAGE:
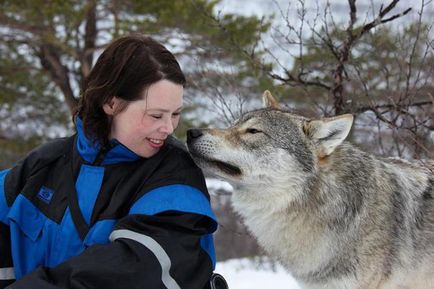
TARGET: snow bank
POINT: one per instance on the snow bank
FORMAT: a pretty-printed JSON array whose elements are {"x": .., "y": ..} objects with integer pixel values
[{"x": 251, "y": 274}]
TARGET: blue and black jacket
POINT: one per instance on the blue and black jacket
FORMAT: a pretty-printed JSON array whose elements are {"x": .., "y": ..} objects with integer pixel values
[{"x": 73, "y": 215}]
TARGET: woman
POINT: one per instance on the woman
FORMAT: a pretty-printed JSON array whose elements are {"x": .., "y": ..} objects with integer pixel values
[{"x": 120, "y": 204}]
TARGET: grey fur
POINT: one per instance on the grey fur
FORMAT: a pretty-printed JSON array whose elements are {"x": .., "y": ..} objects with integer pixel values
[{"x": 335, "y": 216}]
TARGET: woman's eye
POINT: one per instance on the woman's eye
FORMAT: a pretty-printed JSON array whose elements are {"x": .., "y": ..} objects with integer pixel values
[
  {"x": 252, "y": 130},
  {"x": 176, "y": 114},
  {"x": 156, "y": 116}
]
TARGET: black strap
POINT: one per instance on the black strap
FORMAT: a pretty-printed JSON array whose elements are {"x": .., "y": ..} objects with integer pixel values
[
  {"x": 102, "y": 153},
  {"x": 77, "y": 217}
]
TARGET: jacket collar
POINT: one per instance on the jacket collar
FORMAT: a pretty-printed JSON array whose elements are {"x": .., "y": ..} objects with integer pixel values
[{"x": 91, "y": 150}]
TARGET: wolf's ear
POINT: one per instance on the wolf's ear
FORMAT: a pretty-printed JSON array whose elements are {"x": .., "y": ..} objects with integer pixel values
[
  {"x": 328, "y": 132},
  {"x": 269, "y": 101}
]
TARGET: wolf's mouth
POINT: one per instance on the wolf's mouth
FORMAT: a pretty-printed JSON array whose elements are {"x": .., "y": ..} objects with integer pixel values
[{"x": 224, "y": 167}]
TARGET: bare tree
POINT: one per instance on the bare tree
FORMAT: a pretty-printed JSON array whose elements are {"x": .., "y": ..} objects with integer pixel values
[{"x": 381, "y": 74}]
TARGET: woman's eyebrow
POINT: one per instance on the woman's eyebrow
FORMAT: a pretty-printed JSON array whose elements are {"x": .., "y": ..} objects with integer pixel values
[{"x": 162, "y": 109}]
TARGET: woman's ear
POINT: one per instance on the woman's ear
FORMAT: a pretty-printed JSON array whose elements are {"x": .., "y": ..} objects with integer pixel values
[{"x": 111, "y": 106}]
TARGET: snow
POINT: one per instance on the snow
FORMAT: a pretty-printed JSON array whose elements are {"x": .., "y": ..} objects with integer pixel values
[
  {"x": 251, "y": 274},
  {"x": 214, "y": 185}
]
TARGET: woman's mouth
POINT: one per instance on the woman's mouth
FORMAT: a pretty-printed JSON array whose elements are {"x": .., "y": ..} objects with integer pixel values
[{"x": 155, "y": 143}]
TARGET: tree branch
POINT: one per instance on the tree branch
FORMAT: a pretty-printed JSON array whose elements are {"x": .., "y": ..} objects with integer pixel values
[
  {"x": 15, "y": 24},
  {"x": 390, "y": 107},
  {"x": 50, "y": 61},
  {"x": 349, "y": 42},
  {"x": 86, "y": 58}
]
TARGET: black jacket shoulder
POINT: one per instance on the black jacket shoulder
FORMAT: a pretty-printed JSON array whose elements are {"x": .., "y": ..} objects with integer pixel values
[
  {"x": 40, "y": 157},
  {"x": 178, "y": 152},
  {"x": 46, "y": 153},
  {"x": 176, "y": 167}
]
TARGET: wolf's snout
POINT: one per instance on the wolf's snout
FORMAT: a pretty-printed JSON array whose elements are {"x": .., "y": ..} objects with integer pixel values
[{"x": 193, "y": 134}]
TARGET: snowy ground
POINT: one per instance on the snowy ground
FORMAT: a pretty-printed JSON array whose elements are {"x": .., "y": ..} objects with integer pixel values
[{"x": 245, "y": 274}]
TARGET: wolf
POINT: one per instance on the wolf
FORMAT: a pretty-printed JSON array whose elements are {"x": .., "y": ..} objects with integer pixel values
[{"x": 336, "y": 217}]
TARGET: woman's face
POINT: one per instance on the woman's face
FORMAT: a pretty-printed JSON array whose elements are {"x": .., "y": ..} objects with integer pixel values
[{"x": 144, "y": 124}]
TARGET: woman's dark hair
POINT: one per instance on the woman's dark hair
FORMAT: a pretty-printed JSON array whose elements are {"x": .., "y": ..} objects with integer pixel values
[{"x": 127, "y": 67}]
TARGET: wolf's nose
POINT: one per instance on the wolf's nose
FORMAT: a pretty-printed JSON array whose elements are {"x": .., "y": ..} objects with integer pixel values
[{"x": 193, "y": 133}]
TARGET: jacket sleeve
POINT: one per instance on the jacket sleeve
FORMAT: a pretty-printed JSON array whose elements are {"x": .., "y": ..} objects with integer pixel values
[
  {"x": 160, "y": 251},
  {"x": 12, "y": 182},
  {"x": 7, "y": 275}
]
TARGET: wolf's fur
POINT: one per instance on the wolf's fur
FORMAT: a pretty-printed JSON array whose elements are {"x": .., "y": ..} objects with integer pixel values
[{"x": 335, "y": 216}]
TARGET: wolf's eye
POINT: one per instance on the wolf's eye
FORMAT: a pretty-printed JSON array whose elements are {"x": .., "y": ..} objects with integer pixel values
[{"x": 252, "y": 130}]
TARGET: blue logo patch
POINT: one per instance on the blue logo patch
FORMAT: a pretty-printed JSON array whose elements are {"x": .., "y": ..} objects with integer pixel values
[{"x": 45, "y": 194}]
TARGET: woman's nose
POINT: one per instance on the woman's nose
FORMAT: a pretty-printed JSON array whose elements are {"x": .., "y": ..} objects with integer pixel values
[{"x": 168, "y": 127}]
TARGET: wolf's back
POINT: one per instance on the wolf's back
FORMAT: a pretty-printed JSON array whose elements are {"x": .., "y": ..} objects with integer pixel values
[{"x": 392, "y": 203}]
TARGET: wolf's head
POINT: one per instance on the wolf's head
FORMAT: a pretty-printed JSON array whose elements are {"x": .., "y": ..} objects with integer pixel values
[{"x": 268, "y": 147}]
